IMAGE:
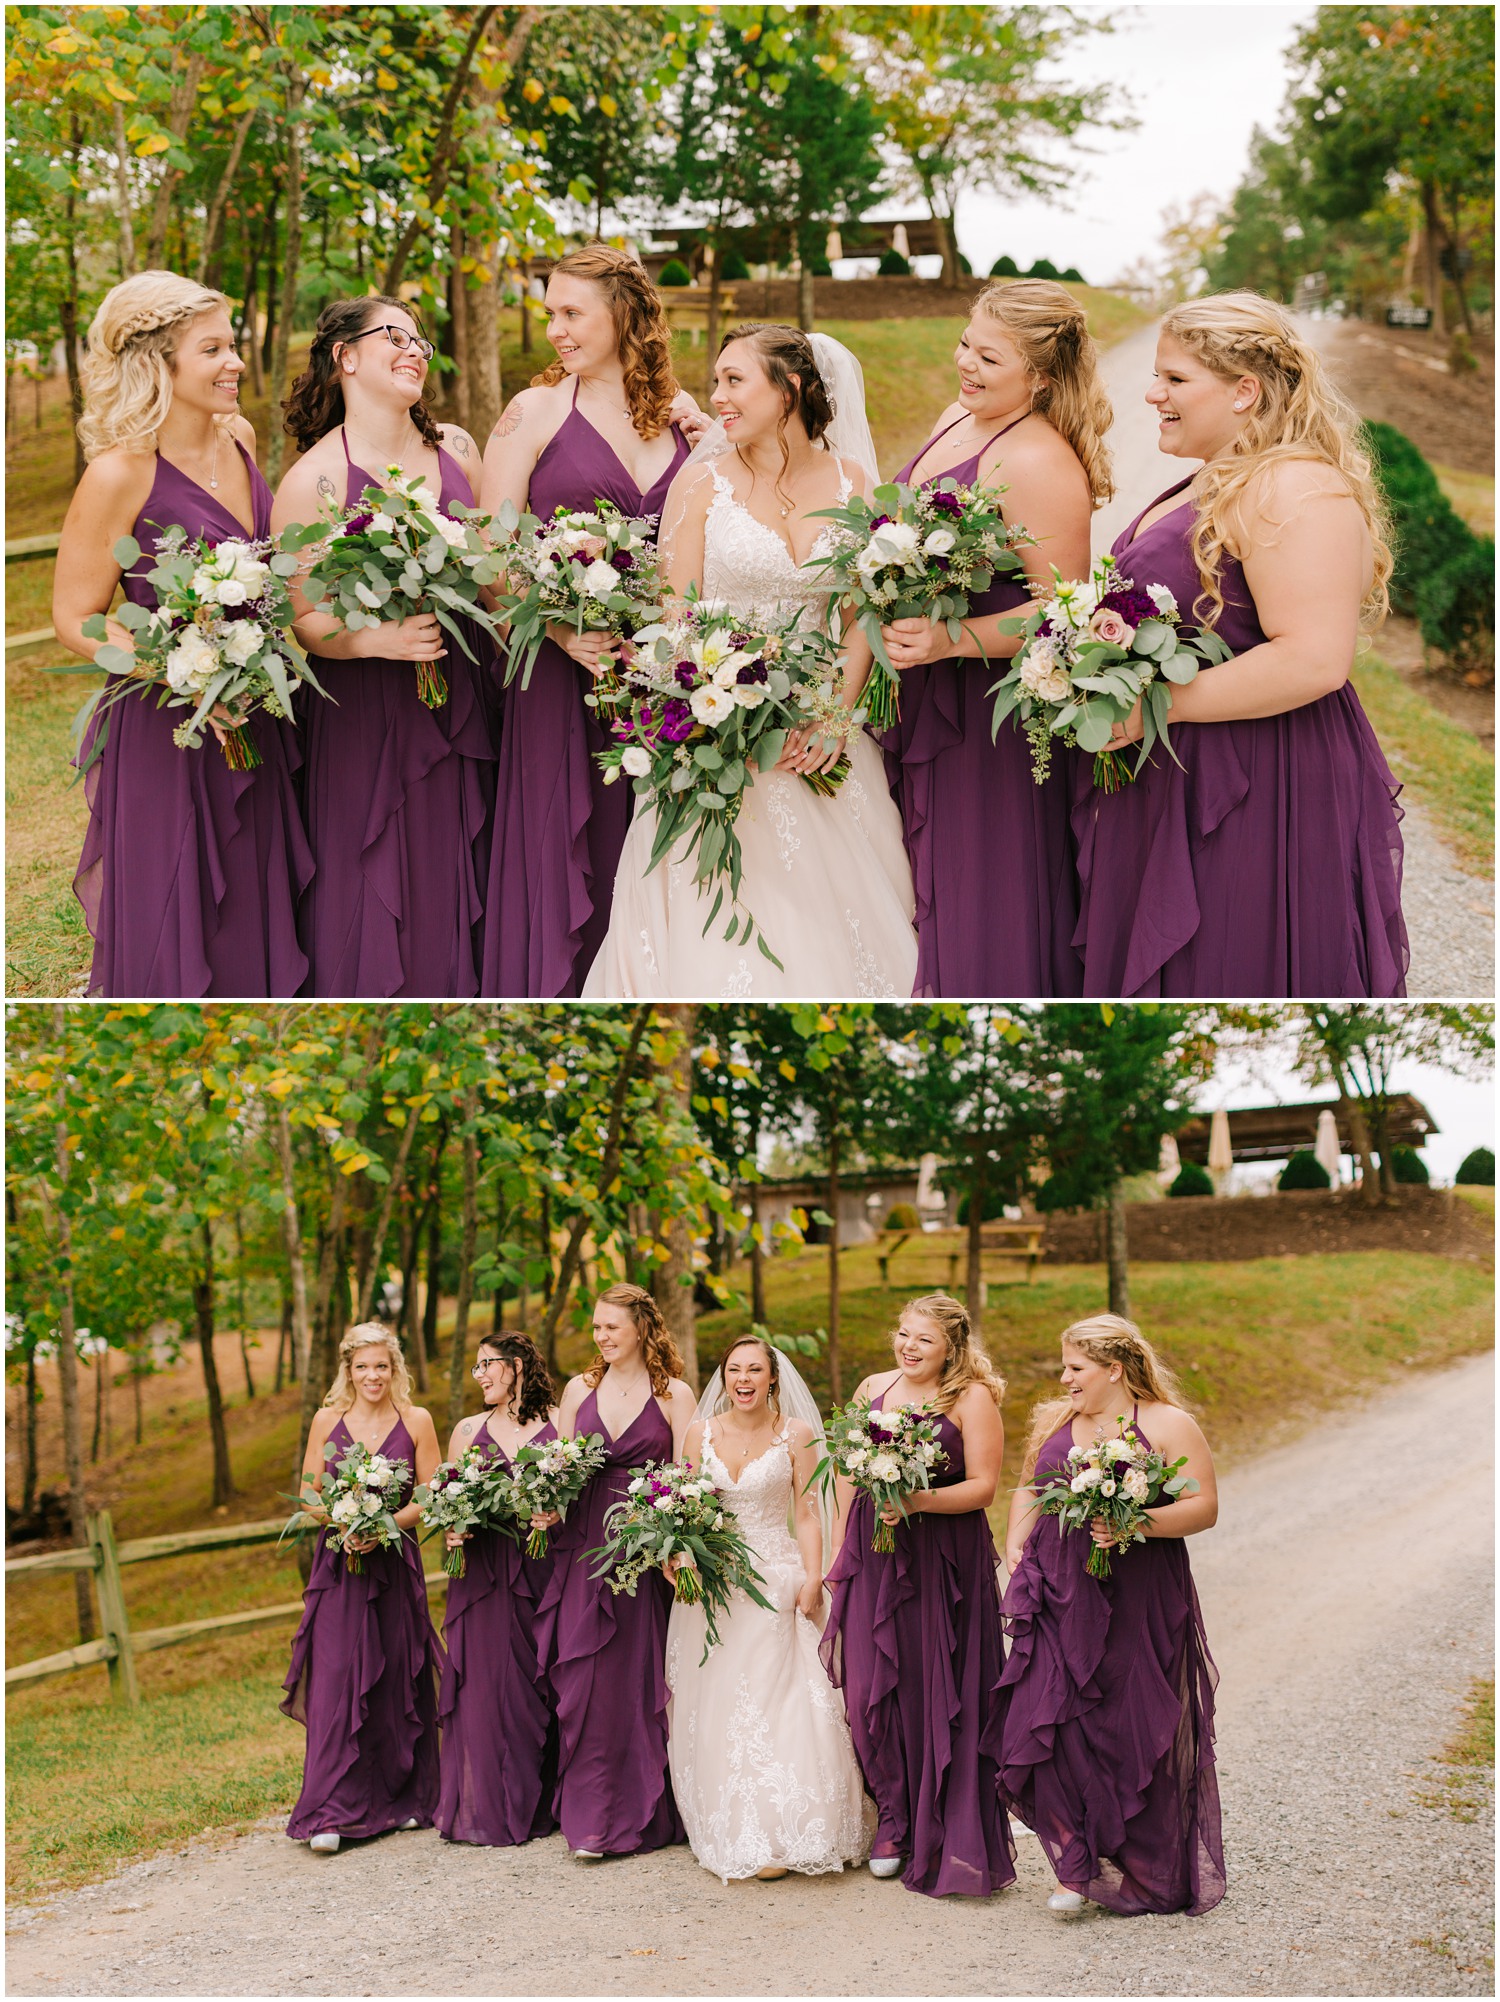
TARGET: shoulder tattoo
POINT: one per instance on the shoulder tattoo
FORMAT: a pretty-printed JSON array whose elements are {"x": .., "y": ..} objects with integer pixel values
[
  {"x": 460, "y": 443},
  {"x": 510, "y": 417},
  {"x": 326, "y": 488}
]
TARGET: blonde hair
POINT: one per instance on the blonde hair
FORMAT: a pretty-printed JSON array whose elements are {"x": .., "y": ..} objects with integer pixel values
[
  {"x": 1299, "y": 415},
  {"x": 369, "y": 1335},
  {"x": 658, "y": 1350},
  {"x": 642, "y": 332},
  {"x": 1051, "y": 330},
  {"x": 965, "y": 1361},
  {"x": 1107, "y": 1338},
  {"x": 127, "y": 366}
]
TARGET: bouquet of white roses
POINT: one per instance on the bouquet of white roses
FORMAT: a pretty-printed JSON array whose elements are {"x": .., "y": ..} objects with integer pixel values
[
  {"x": 594, "y": 572},
  {"x": 550, "y": 1476},
  {"x": 217, "y": 638},
  {"x": 916, "y": 553},
  {"x": 884, "y": 1454},
  {"x": 472, "y": 1492},
  {"x": 1092, "y": 651},
  {"x": 397, "y": 554},
  {"x": 358, "y": 1494},
  {"x": 1114, "y": 1481},
  {"x": 668, "y": 1512},
  {"x": 708, "y": 699}
]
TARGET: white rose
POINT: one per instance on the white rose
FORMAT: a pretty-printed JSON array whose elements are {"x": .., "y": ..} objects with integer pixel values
[
  {"x": 1108, "y": 1487},
  {"x": 1136, "y": 1485},
  {"x": 885, "y": 1421},
  {"x": 1075, "y": 1452},
  {"x": 1161, "y": 597},
  {"x": 859, "y": 1438},
  {"x": 635, "y": 1486},
  {"x": 600, "y": 580},
  {"x": 244, "y": 639},
  {"x": 384, "y": 522},
  {"x": 711, "y": 705},
  {"x": 192, "y": 663},
  {"x": 895, "y": 541},
  {"x": 473, "y": 1474},
  {"x": 663, "y": 1503},
  {"x": 718, "y": 1519},
  {"x": 940, "y": 542},
  {"x": 453, "y": 532},
  {"x": 636, "y": 762},
  {"x": 1089, "y": 1478},
  {"x": 1044, "y": 678},
  {"x": 751, "y": 694},
  {"x": 885, "y": 1467},
  {"x": 858, "y": 1457},
  {"x": 1115, "y": 1449},
  {"x": 345, "y": 1509},
  {"x": 372, "y": 1505}
]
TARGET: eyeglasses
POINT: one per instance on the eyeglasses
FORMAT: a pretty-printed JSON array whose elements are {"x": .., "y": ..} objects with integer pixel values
[
  {"x": 398, "y": 337},
  {"x": 485, "y": 1364}
]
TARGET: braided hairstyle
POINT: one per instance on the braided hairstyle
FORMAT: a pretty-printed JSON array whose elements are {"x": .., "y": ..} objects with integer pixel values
[
  {"x": 1106, "y": 1339},
  {"x": 642, "y": 335},
  {"x": 965, "y": 1361},
  {"x": 316, "y": 404},
  {"x": 1051, "y": 331},
  {"x": 531, "y": 1391},
  {"x": 658, "y": 1350},
  {"x": 127, "y": 365},
  {"x": 786, "y": 354}
]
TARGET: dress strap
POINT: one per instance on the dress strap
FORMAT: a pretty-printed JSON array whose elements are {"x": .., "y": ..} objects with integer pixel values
[
  {"x": 577, "y": 385},
  {"x": 344, "y": 441},
  {"x": 846, "y": 485}
]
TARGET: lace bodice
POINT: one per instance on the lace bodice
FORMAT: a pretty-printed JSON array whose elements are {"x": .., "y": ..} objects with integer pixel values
[
  {"x": 748, "y": 567},
  {"x": 761, "y": 1498}
]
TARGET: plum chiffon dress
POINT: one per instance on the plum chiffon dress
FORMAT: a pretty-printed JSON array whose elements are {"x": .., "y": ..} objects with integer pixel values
[
  {"x": 558, "y": 828},
  {"x": 1107, "y": 1747},
  {"x": 991, "y": 851},
  {"x": 363, "y": 1681},
  {"x": 606, "y": 1656},
  {"x": 399, "y": 799},
  {"x": 1268, "y": 863},
  {"x": 190, "y": 871},
  {"x": 914, "y": 1641},
  {"x": 499, "y": 1756}
]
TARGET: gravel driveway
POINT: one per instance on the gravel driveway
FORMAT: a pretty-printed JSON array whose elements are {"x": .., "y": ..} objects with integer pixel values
[{"x": 1346, "y": 1640}]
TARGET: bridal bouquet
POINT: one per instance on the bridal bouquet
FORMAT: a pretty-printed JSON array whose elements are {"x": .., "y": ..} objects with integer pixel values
[
  {"x": 550, "y": 1477},
  {"x": 357, "y": 1494},
  {"x": 916, "y": 553},
  {"x": 397, "y": 554},
  {"x": 883, "y": 1454},
  {"x": 218, "y": 636},
  {"x": 594, "y": 572},
  {"x": 472, "y": 1492},
  {"x": 1116, "y": 1481},
  {"x": 1092, "y": 651},
  {"x": 668, "y": 1512},
  {"x": 706, "y": 700}
]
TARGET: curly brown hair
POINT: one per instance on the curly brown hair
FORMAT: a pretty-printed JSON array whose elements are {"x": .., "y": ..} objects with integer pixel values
[
  {"x": 316, "y": 404},
  {"x": 786, "y": 355},
  {"x": 531, "y": 1393},
  {"x": 658, "y": 1350},
  {"x": 642, "y": 334}
]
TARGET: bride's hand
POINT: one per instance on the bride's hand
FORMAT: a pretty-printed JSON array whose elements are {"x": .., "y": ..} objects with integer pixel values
[
  {"x": 809, "y": 751},
  {"x": 585, "y": 648},
  {"x": 810, "y": 1598},
  {"x": 914, "y": 642}
]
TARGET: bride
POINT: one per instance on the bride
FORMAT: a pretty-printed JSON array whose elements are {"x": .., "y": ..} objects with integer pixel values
[
  {"x": 759, "y": 1750},
  {"x": 827, "y": 878}
]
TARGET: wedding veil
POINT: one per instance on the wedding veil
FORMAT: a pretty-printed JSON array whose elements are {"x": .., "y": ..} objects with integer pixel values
[{"x": 848, "y": 436}]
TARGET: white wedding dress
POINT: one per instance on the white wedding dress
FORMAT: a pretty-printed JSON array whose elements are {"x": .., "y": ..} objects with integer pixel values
[
  {"x": 758, "y": 1746},
  {"x": 827, "y": 879}
]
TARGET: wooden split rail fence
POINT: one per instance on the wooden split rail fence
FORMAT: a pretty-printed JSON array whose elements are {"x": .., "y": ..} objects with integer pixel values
[
  {"x": 105, "y": 1560},
  {"x": 30, "y": 548}
]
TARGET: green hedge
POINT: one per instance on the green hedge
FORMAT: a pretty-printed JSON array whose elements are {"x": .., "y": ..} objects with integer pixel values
[
  {"x": 821, "y": 268},
  {"x": 1192, "y": 1180},
  {"x": 1073, "y": 276},
  {"x": 1476, "y": 1170},
  {"x": 894, "y": 265},
  {"x": 1407, "y": 1165},
  {"x": 902, "y": 1216},
  {"x": 1445, "y": 573},
  {"x": 994, "y": 1207},
  {"x": 675, "y": 272},
  {"x": 1043, "y": 268},
  {"x": 1005, "y": 267},
  {"x": 1304, "y": 1171},
  {"x": 732, "y": 267}
]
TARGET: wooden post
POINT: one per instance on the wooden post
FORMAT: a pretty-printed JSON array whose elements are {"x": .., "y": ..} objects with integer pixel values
[{"x": 113, "y": 1617}]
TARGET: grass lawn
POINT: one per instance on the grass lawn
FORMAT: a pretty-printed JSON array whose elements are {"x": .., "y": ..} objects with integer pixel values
[
  {"x": 1472, "y": 495},
  {"x": 1466, "y": 1768},
  {"x": 1445, "y": 768}
]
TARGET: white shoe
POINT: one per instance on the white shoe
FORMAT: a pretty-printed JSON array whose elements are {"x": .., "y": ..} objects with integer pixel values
[
  {"x": 324, "y": 1845},
  {"x": 588, "y": 1855},
  {"x": 410, "y": 1822},
  {"x": 1066, "y": 1901},
  {"x": 886, "y": 1866}
]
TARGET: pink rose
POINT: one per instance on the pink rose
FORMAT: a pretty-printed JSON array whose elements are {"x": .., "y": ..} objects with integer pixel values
[{"x": 1110, "y": 627}]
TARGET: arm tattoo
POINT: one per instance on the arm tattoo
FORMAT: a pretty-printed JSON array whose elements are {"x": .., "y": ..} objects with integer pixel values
[
  {"x": 510, "y": 418},
  {"x": 460, "y": 443},
  {"x": 326, "y": 489}
]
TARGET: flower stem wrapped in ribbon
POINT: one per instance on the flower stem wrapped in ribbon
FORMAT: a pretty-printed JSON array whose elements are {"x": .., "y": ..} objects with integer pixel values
[
  {"x": 397, "y": 554},
  {"x": 915, "y": 553},
  {"x": 884, "y": 1454},
  {"x": 357, "y": 1493},
  {"x": 1091, "y": 652},
  {"x": 549, "y": 1478},
  {"x": 472, "y": 1492},
  {"x": 1114, "y": 1481},
  {"x": 218, "y": 640},
  {"x": 670, "y": 1512},
  {"x": 594, "y": 572}
]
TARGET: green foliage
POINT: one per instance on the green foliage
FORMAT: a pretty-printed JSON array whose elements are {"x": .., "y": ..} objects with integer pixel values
[
  {"x": 732, "y": 268},
  {"x": 1408, "y": 1166},
  {"x": 1445, "y": 574},
  {"x": 1193, "y": 1179},
  {"x": 675, "y": 272},
  {"x": 820, "y": 267},
  {"x": 1477, "y": 1170},
  {"x": 1304, "y": 1171},
  {"x": 992, "y": 1210},
  {"x": 965, "y": 266},
  {"x": 1073, "y": 276},
  {"x": 894, "y": 265},
  {"x": 902, "y": 1216},
  {"x": 1043, "y": 268},
  {"x": 1005, "y": 267}
]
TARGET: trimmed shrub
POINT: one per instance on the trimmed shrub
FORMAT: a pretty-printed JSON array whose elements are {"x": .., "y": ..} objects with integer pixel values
[
  {"x": 994, "y": 1207},
  {"x": 901, "y": 1216},
  {"x": 1407, "y": 1165},
  {"x": 732, "y": 267},
  {"x": 675, "y": 272},
  {"x": 1073, "y": 276},
  {"x": 1445, "y": 574},
  {"x": 820, "y": 267},
  {"x": 965, "y": 266},
  {"x": 1476, "y": 1170},
  {"x": 894, "y": 265},
  {"x": 1005, "y": 267},
  {"x": 1192, "y": 1180},
  {"x": 1304, "y": 1171},
  {"x": 1043, "y": 268}
]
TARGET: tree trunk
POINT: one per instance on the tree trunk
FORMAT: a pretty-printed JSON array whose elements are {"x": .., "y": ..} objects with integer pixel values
[
  {"x": 757, "y": 1260},
  {"x": 291, "y": 259},
  {"x": 68, "y": 307},
  {"x": 974, "y": 1284},
  {"x": 137, "y": 1374},
  {"x": 458, "y": 327},
  {"x": 458, "y": 1355},
  {"x": 672, "y": 1281},
  {"x": 427, "y": 1345},
  {"x": 98, "y": 1362},
  {"x": 122, "y": 193},
  {"x": 393, "y": 1188},
  {"x": 28, "y": 1461},
  {"x": 291, "y": 1230},
  {"x": 481, "y": 295},
  {"x": 273, "y": 267},
  {"x": 949, "y": 242},
  {"x": 181, "y": 106},
  {"x": 502, "y": 1217},
  {"x": 1455, "y": 245},
  {"x": 67, "y": 1357},
  {"x": 213, "y": 227},
  {"x": 1117, "y": 1254},
  {"x": 715, "y": 307},
  {"x": 284, "y": 1349},
  {"x": 203, "y": 1305},
  {"x": 444, "y": 151},
  {"x": 239, "y": 1275},
  {"x": 806, "y": 296},
  {"x": 1432, "y": 233},
  {"x": 409, "y": 1237},
  {"x": 835, "y": 1385}
]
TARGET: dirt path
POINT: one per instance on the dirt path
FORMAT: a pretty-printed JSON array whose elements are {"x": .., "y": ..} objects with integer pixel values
[
  {"x": 1346, "y": 1637},
  {"x": 1450, "y": 915}
]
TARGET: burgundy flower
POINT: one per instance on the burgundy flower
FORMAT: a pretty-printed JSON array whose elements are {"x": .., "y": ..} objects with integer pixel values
[
  {"x": 685, "y": 674},
  {"x": 623, "y": 560},
  {"x": 879, "y": 521},
  {"x": 738, "y": 640},
  {"x": 677, "y": 720},
  {"x": 947, "y": 502},
  {"x": 756, "y": 671},
  {"x": 357, "y": 524},
  {"x": 1133, "y": 606}
]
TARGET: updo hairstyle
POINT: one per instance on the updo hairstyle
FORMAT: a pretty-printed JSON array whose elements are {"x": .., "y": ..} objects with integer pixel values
[
  {"x": 1051, "y": 331},
  {"x": 965, "y": 1361},
  {"x": 128, "y": 365}
]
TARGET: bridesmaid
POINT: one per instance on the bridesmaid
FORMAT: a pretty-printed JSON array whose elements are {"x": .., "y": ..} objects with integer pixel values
[
  {"x": 991, "y": 851},
  {"x": 595, "y": 426},
  {"x": 190, "y": 871},
  {"x": 363, "y": 1678},
  {"x": 607, "y": 1652},
  {"x": 399, "y": 796},
  {"x": 1269, "y": 861},
  {"x": 499, "y": 1756},
  {"x": 1107, "y": 1744},
  {"x": 914, "y": 1636}
]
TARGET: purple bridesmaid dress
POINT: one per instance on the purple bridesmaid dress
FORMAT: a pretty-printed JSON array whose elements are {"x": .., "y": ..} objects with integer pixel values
[
  {"x": 499, "y": 1756},
  {"x": 991, "y": 851},
  {"x": 606, "y": 1654},
  {"x": 913, "y": 1639},
  {"x": 1107, "y": 1745},
  {"x": 558, "y": 828},
  {"x": 1268, "y": 864},
  {"x": 363, "y": 1680},
  {"x": 399, "y": 798},
  {"x": 190, "y": 872}
]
